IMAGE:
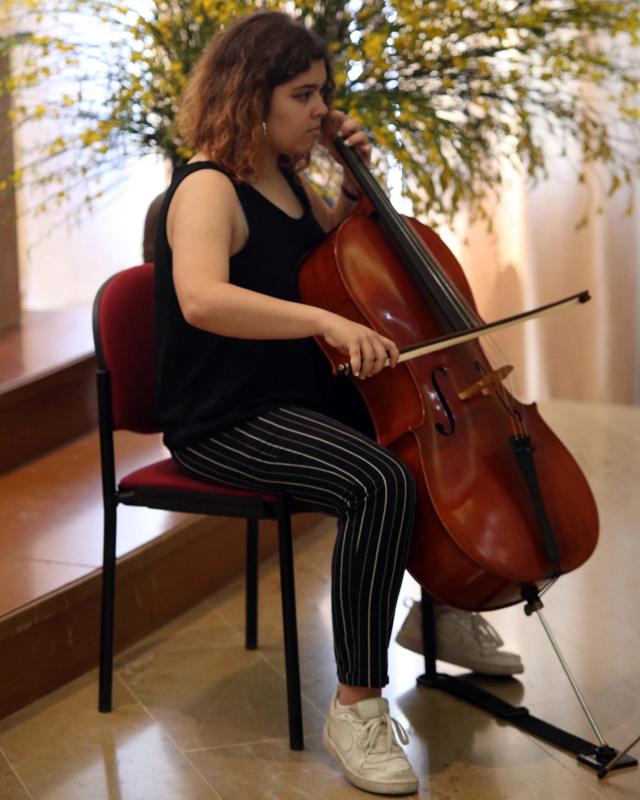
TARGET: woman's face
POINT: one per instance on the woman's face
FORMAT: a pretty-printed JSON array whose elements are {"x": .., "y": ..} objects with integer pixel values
[{"x": 296, "y": 112}]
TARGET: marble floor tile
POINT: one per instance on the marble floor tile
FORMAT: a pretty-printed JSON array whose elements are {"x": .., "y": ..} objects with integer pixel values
[
  {"x": 11, "y": 787},
  {"x": 315, "y": 641},
  {"x": 197, "y": 716},
  {"x": 270, "y": 771},
  {"x": 545, "y": 780},
  {"x": 204, "y": 688},
  {"x": 63, "y": 749}
]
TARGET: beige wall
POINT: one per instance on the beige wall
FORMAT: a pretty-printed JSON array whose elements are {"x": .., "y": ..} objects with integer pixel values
[
  {"x": 9, "y": 280},
  {"x": 536, "y": 255},
  {"x": 64, "y": 264}
]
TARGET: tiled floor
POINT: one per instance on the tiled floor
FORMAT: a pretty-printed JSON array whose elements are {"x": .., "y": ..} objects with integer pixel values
[{"x": 196, "y": 716}]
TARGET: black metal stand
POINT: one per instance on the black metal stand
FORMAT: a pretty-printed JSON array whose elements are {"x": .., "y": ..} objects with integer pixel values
[{"x": 600, "y": 757}]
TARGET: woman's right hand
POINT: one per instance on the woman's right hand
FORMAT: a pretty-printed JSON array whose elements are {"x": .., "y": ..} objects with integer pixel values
[{"x": 368, "y": 351}]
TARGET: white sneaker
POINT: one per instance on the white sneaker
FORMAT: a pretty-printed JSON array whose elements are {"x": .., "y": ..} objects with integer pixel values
[
  {"x": 362, "y": 740},
  {"x": 463, "y": 638}
]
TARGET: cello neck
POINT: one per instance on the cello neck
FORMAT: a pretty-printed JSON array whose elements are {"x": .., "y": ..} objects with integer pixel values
[{"x": 437, "y": 291}]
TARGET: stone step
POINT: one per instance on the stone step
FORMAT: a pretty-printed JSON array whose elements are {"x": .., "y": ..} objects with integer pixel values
[
  {"x": 47, "y": 384},
  {"x": 51, "y": 552}
]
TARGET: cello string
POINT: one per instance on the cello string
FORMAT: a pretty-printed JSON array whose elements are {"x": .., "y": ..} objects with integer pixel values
[
  {"x": 466, "y": 312},
  {"x": 463, "y": 308},
  {"x": 510, "y": 391},
  {"x": 457, "y": 302},
  {"x": 454, "y": 297},
  {"x": 505, "y": 394},
  {"x": 472, "y": 319},
  {"x": 428, "y": 262},
  {"x": 422, "y": 255}
]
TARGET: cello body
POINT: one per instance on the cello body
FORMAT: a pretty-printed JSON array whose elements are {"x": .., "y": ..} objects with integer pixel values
[{"x": 477, "y": 543}]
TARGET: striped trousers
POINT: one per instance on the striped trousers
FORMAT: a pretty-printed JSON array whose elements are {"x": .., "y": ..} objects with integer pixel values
[{"x": 338, "y": 470}]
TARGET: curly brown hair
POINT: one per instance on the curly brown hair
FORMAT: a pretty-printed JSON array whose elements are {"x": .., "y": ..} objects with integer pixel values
[{"x": 228, "y": 93}]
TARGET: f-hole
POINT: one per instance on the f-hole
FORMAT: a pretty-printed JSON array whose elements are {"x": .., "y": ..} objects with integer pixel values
[{"x": 447, "y": 409}]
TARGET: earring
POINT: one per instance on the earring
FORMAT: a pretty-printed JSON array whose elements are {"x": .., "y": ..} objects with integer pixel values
[{"x": 264, "y": 129}]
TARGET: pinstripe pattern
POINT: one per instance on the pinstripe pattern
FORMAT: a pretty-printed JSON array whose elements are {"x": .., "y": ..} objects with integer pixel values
[{"x": 340, "y": 471}]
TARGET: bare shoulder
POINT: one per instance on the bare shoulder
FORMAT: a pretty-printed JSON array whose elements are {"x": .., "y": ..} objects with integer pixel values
[
  {"x": 201, "y": 193},
  {"x": 204, "y": 206},
  {"x": 201, "y": 230}
]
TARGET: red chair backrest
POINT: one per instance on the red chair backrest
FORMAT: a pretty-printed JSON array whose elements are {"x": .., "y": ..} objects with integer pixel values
[{"x": 124, "y": 337}]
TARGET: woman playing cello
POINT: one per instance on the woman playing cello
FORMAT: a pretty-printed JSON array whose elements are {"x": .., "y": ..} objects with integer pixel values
[{"x": 241, "y": 390}]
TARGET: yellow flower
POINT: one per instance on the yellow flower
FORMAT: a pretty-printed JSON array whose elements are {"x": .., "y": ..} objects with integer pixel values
[
  {"x": 57, "y": 146},
  {"x": 90, "y": 137}
]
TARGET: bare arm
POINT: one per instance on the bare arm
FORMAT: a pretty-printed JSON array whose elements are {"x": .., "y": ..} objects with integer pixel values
[{"x": 201, "y": 231}]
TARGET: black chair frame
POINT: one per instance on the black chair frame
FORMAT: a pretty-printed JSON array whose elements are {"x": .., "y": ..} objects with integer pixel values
[{"x": 253, "y": 509}]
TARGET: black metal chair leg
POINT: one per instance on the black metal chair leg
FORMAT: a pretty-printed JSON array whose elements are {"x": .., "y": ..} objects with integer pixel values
[
  {"x": 105, "y": 678},
  {"x": 288, "y": 593},
  {"x": 251, "y": 599},
  {"x": 428, "y": 636}
]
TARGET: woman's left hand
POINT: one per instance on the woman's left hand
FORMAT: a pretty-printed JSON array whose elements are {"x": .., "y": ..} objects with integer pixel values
[{"x": 337, "y": 123}]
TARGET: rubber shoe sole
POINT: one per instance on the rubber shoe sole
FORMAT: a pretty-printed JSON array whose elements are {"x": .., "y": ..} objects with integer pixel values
[{"x": 375, "y": 787}]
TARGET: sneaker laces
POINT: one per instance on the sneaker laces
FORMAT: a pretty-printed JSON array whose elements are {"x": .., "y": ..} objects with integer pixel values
[
  {"x": 370, "y": 734},
  {"x": 483, "y": 631},
  {"x": 486, "y": 635}
]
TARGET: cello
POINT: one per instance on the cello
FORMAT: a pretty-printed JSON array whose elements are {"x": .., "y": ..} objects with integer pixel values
[
  {"x": 502, "y": 505},
  {"x": 503, "y": 509}
]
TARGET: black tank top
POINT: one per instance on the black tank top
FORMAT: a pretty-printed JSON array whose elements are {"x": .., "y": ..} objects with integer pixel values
[{"x": 207, "y": 382}]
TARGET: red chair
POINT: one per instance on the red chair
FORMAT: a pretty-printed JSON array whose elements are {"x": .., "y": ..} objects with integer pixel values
[{"x": 123, "y": 330}]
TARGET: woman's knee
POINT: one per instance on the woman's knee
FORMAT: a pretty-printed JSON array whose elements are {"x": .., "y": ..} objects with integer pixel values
[
  {"x": 388, "y": 476},
  {"x": 402, "y": 480}
]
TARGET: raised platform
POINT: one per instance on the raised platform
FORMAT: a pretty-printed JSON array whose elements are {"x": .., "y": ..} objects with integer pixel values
[
  {"x": 50, "y": 556},
  {"x": 51, "y": 519},
  {"x": 47, "y": 383}
]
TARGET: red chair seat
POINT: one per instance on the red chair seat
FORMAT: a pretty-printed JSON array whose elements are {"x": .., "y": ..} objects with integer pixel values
[{"x": 166, "y": 475}]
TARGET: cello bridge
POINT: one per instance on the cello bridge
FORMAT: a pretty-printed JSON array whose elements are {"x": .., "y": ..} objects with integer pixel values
[{"x": 487, "y": 384}]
